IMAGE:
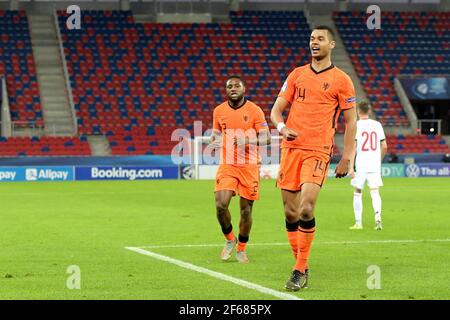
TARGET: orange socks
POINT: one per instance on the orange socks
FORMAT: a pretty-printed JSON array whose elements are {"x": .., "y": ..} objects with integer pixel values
[
  {"x": 292, "y": 233},
  {"x": 242, "y": 243},
  {"x": 230, "y": 236},
  {"x": 306, "y": 231},
  {"x": 228, "y": 233}
]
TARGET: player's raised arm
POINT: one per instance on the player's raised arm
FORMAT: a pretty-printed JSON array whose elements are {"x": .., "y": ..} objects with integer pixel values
[
  {"x": 349, "y": 143},
  {"x": 276, "y": 115}
]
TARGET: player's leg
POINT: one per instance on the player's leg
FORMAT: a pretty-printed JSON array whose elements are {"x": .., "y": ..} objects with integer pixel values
[
  {"x": 376, "y": 203},
  {"x": 291, "y": 204},
  {"x": 357, "y": 209},
  {"x": 313, "y": 173},
  {"x": 225, "y": 188},
  {"x": 307, "y": 224},
  {"x": 223, "y": 199},
  {"x": 248, "y": 189},
  {"x": 357, "y": 182},
  {"x": 289, "y": 183},
  {"x": 245, "y": 225},
  {"x": 374, "y": 181},
  {"x": 306, "y": 231}
]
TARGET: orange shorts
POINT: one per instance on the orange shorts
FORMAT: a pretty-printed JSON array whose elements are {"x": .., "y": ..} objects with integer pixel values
[
  {"x": 298, "y": 166},
  {"x": 243, "y": 179}
]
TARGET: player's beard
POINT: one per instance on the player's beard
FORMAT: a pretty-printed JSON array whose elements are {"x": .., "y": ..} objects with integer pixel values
[
  {"x": 234, "y": 101},
  {"x": 320, "y": 56}
]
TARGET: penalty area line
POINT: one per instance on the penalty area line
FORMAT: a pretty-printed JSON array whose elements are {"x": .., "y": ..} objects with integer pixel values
[{"x": 217, "y": 275}]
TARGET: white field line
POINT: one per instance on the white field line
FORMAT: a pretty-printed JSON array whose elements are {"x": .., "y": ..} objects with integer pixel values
[
  {"x": 214, "y": 274},
  {"x": 287, "y": 244}
]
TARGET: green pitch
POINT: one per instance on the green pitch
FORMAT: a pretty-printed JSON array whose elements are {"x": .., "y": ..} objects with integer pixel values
[{"x": 47, "y": 227}]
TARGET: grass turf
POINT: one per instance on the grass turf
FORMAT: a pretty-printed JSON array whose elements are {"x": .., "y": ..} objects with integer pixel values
[{"x": 46, "y": 227}]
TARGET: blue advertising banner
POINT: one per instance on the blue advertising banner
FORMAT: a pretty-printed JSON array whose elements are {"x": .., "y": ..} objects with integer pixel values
[
  {"x": 126, "y": 173},
  {"x": 11, "y": 174},
  {"x": 427, "y": 88},
  {"x": 428, "y": 170},
  {"x": 36, "y": 174}
]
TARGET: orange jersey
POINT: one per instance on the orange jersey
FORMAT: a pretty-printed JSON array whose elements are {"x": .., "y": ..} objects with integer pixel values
[
  {"x": 247, "y": 120},
  {"x": 316, "y": 99}
]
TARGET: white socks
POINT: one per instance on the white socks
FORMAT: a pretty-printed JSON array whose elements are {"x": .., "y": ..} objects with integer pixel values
[
  {"x": 376, "y": 203},
  {"x": 357, "y": 207}
]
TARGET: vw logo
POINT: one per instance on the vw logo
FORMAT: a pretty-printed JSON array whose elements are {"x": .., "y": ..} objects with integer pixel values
[{"x": 412, "y": 171}]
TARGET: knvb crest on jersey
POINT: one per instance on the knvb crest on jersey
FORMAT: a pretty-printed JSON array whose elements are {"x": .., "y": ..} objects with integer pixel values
[
  {"x": 326, "y": 86},
  {"x": 245, "y": 118}
]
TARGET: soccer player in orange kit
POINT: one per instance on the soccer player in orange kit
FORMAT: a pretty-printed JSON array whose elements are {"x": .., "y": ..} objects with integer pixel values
[
  {"x": 239, "y": 127},
  {"x": 316, "y": 93}
]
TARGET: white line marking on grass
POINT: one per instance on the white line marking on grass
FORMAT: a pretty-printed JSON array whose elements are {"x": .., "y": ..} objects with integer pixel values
[
  {"x": 214, "y": 274},
  {"x": 286, "y": 243}
]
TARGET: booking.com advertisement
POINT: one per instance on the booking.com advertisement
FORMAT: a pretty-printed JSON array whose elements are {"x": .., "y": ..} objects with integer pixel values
[{"x": 126, "y": 173}]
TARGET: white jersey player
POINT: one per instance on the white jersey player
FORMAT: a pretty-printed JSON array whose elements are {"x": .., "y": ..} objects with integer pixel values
[{"x": 370, "y": 149}]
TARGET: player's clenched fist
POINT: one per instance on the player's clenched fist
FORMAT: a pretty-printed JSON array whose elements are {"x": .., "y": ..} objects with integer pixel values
[
  {"x": 342, "y": 168},
  {"x": 288, "y": 134}
]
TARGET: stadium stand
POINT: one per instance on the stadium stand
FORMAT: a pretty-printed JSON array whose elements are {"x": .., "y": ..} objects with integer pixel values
[
  {"x": 44, "y": 146},
  {"x": 136, "y": 83},
  {"x": 419, "y": 144},
  {"x": 18, "y": 67},
  {"x": 408, "y": 43}
]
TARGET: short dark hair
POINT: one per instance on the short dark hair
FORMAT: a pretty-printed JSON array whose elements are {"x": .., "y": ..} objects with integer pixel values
[
  {"x": 235, "y": 76},
  {"x": 364, "y": 107},
  {"x": 330, "y": 31}
]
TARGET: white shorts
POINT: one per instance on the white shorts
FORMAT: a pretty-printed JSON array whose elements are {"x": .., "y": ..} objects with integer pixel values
[{"x": 373, "y": 180}]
